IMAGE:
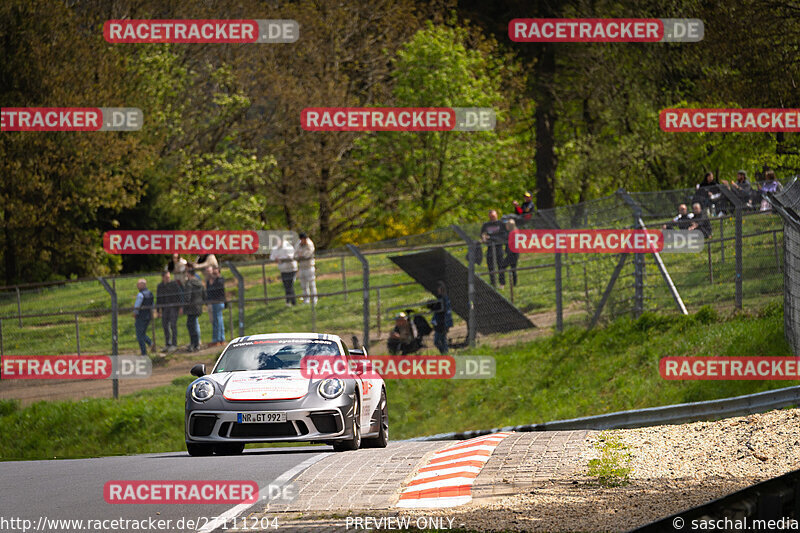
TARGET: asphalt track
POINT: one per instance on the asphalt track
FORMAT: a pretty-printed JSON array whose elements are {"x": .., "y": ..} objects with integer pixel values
[{"x": 73, "y": 489}]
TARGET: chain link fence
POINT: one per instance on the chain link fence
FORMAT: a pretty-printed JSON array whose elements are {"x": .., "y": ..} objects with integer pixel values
[
  {"x": 361, "y": 288},
  {"x": 787, "y": 204}
]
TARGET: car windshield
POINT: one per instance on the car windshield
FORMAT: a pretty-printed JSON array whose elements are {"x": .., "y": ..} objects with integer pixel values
[{"x": 272, "y": 354}]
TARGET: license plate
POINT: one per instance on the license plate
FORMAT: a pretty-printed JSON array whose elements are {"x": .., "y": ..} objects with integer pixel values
[{"x": 268, "y": 417}]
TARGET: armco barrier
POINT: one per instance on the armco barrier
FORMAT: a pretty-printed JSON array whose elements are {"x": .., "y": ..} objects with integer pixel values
[
  {"x": 772, "y": 500},
  {"x": 653, "y": 416}
]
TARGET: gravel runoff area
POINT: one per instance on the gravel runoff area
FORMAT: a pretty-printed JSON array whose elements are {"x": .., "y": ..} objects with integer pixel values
[{"x": 674, "y": 468}]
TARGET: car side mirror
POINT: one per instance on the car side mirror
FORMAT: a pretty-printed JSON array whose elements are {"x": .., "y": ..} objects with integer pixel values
[{"x": 198, "y": 370}]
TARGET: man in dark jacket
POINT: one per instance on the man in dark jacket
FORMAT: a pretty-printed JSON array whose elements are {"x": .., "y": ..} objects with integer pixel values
[
  {"x": 194, "y": 296},
  {"x": 143, "y": 311},
  {"x": 442, "y": 317},
  {"x": 493, "y": 234},
  {"x": 700, "y": 220},
  {"x": 168, "y": 300}
]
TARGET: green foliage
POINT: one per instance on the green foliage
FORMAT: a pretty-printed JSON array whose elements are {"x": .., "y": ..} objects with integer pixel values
[
  {"x": 611, "y": 468},
  {"x": 442, "y": 177}
]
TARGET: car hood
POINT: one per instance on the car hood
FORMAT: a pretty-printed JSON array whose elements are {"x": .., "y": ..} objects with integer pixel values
[{"x": 265, "y": 385}]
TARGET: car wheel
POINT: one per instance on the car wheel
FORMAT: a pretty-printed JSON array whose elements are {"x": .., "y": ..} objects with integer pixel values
[
  {"x": 354, "y": 442},
  {"x": 199, "y": 450},
  {"x": 383, "y": 418},
  {"x": 235, "y": 448}
]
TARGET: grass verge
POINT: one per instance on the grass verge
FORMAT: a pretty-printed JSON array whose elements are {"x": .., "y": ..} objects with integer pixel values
[{"x": 577, "y": 373}]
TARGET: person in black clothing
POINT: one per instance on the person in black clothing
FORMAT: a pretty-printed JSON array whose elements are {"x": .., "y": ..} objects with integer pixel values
[
  {"x": 682, "y": 221},
  {"x": 525, "y": 211},
  {"x": 168, "y": 300},
  {"x": 707, "y": 191},
  {"x": 700, "y": 221},
  {"x": 442, "y": 317},
  {"x": 511, "y": 257},
  {"x": 493, "y": 234},
  {"x": 742, "y": 188},
  {"x": 143, "y": 311}
]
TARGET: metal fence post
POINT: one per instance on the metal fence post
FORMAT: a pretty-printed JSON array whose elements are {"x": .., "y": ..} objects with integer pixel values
[
  {"x": 721, "y": 241},
  {"x": 775, "y": 248},
  {"x": 739, "y": 257},
  {"x": 365, "y": 290},
  {"x": 240, "y": 284},
  {"x": 344, "y": 279},
  {"x": 378, "y": 311},
  {"x": 264, "y": 280},
  {"x": 471, "y": 255},
  {"x": 114, "y": 331},
  {"x": 19, "y": 307},
  {"x": 77, "y": 334},
  {"x": 559, "y": 303},
  {"x": 738, "y": 204},
  {"x": 230, "y": 318},
  {"x": 313, "y": 315}
]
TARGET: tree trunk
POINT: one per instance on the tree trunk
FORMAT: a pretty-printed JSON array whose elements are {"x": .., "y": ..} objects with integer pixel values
[{"x": 545, "y": 128}]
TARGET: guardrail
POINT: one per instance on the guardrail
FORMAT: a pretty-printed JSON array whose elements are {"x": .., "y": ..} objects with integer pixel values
[
  {"x": 774, "y": 500},
  {"x": 653, "y": 416}
]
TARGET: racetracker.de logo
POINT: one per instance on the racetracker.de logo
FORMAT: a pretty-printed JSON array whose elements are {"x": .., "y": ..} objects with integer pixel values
[
  {"x": 398, "y": 119},
  {"x": 729, "y": 368},
  {"x": 551, "y": 30},
  {"x": 70, "y": 119},
  {"x": 180, "y": 492},
  {"x": 630, "y": 241},
  {"x": 729, "y": 120},
  {"x": 201, "y": 31},
  {"x": 398, "y": 367},
  {"x": 74, "y": 367}
]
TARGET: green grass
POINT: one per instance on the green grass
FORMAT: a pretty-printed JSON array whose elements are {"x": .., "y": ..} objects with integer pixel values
[
  {"x": 575, "y": 374},
  {"x": 584, "y": 279}
]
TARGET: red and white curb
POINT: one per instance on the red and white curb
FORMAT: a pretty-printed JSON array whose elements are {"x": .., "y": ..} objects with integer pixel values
[{"x": 446, "y": 480}]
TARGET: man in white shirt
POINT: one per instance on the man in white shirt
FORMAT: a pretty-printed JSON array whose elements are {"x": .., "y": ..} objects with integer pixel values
[
  {"x": 287, "y": 266},
  {"x": 306, "y": 269}
]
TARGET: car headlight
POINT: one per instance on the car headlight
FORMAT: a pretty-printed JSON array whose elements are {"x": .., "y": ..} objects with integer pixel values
[
  {"x": 331, "y": 388},
  {"x": 202, "y": 390}
]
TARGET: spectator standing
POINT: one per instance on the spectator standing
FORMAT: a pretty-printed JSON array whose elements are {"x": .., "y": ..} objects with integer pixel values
[
  {"x": 493, "y": 234},
  {"x": 168, "y": 300},
  {"x": 215, "y": 294},
  {"x": 306, "y": 269},
  {"x": 512, "y": 258},
  {"x": 700, "y": 220},
  {"x": 193, "y": 307},
  {"x": 177, "y": 267},
  {"x": 442, "y": 318},
  {"x": 143, "y": 313},
  {"x": 681, "y": 221},
  {"x": 287, "y": 266}
]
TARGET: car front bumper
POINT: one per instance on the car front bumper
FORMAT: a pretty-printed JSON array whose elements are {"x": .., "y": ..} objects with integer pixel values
[{"x": 327, "y": 422}]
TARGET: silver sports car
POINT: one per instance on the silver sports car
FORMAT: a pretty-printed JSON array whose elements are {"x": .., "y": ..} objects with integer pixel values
[{"x": 256, "y": 393}]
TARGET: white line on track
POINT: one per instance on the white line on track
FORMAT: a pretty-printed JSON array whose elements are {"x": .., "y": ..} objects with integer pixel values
[{"x": 262, "y": 494}]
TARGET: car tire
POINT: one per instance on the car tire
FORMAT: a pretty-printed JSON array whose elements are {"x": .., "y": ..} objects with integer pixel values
[
  {"x": 383, "y": 434},
  {"x": 199, "y": 450},
  {"x": 354, "y": 442},
  {"x": 233, "y": 448}
]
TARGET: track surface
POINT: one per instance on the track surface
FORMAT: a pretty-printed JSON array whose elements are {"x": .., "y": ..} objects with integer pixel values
[{"x": 73, "y": 489}]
